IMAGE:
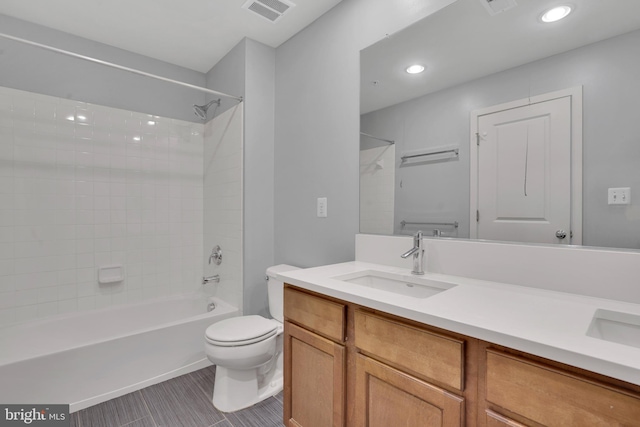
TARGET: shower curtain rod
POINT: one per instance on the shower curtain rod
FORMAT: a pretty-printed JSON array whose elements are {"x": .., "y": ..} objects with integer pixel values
[
  {"x": 391, "y": 142},
  {"x": 119, "y": 67}
]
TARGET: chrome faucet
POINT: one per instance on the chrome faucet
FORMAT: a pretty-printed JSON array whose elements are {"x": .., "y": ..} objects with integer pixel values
[
  {"x": 211, "y": 279},
  {"x": 418, "y": 254},
  {"x": 216, "y": 255}
]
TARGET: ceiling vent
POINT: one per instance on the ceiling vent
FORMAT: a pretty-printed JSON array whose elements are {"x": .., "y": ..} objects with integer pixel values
[
  {"x": 272, "y": 10},
  {"x": 495, "y": 7}
]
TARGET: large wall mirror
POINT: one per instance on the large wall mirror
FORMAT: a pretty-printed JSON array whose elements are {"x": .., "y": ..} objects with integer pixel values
[{"x": 497, "y": 83}]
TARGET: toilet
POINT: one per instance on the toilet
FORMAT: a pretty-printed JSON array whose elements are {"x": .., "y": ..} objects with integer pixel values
[{"x": 247, "y": 352}]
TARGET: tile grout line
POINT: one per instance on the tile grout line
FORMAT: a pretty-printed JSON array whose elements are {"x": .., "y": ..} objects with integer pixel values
[
  {"x": 138, "y": 419},
  {"x": 135, "y": 421},
  {"x": 203, "y": 390},
  {"x": 146, "y": 405}
]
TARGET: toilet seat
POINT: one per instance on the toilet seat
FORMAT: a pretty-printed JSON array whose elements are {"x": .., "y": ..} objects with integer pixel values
[{"x": 239, "y": 331}]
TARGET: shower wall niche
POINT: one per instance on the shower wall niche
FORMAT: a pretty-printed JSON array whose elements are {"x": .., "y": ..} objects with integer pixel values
[{"x": 83, "y": 186}]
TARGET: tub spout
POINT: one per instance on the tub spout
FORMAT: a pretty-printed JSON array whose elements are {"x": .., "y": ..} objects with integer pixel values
[{"x": 211, "y": 279}]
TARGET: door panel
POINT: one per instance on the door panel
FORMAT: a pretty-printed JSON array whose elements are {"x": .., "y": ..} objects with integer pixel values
[
  {"x": 314, "y": 380},
  {"x": 388, "y": 397},
  {"x": 524, "y": 173},
  {"x": 521, "y": 158}
]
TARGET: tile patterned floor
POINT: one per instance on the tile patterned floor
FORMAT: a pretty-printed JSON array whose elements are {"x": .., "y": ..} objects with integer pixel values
[{"x": 181, "y": 402}]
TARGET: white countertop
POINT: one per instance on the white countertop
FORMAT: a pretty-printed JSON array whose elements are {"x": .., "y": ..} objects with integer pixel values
[{"x": 544, "y": 323}]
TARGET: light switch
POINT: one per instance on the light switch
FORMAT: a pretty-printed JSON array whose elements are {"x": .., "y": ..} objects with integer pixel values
[
  {"x": 322, "y": 207},
  {"x": 620, "y": 196}
]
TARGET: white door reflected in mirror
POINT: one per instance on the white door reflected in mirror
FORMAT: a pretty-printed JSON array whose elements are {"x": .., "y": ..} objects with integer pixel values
[{"x": 523, "y": 179}]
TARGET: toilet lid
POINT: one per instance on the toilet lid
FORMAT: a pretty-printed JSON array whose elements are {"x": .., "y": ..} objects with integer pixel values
[{"x": 241, "y": 330}]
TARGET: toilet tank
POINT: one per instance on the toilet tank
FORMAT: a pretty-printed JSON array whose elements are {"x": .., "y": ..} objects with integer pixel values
[{"x": 275, "y": 290}]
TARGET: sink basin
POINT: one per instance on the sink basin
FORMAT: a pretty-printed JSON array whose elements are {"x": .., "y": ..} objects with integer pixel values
[
  {"x": 614, "y": 326},
  {"x": 415, "y": 287}
]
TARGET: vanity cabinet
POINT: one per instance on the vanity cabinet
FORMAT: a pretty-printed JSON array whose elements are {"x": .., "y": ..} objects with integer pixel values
[
  {"x": 522, "y": 391},
  {"x": 403, "y": 374},
  {"x": 314, "y": 361},
  {"x": 347, "y": 365}
]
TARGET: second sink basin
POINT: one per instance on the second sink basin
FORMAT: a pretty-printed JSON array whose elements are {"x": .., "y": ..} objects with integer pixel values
[
  {"x": 614, "y": 326},
  {"x": 415, "y": 287}
]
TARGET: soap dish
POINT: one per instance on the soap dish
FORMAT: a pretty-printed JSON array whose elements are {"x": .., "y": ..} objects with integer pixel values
[{"x": 110, "y": 274}]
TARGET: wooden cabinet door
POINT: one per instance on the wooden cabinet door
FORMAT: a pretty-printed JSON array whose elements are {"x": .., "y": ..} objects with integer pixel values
[
  {"x": 388, "y": 397},
  {"x": 314, "y": 379}
]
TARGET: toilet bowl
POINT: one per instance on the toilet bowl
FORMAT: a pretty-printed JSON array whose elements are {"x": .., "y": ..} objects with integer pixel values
[{"x": 247, "y": 352}]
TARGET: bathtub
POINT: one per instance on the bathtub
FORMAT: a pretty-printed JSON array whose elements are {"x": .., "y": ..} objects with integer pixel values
[{"x": 87, "y": 358}]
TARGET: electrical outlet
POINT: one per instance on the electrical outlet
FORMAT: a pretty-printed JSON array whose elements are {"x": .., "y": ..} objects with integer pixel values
[
  {"x": 620, "y": 196},
  {"x": 322, "y": 207}
]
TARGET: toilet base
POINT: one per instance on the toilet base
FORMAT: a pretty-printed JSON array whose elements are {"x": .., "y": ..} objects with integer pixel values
[{"x": 238, "y": 389}]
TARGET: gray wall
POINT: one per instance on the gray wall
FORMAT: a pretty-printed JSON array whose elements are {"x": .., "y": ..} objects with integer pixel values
[
  {"x": 436, "y": 190},
  {"x": 258, "y": 174},
  {"x": 228, "y": 76},
  {"x": 317, "y": 125},
  {"x": 248, "y": 70},
  {"x": 608, "y": 72},
  {"x": 34, "y": 69}
]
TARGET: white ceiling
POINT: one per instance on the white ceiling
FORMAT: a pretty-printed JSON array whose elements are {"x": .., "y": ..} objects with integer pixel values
[
  {"x": 462, "y": 42},
  {"x": 194, "y": 34}
]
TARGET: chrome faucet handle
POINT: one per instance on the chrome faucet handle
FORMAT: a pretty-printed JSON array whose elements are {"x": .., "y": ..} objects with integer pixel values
[
  {"x": 410, "y": 252},
  {"x": 216, "y": 255},
  {"x": 417, "y": 246}
]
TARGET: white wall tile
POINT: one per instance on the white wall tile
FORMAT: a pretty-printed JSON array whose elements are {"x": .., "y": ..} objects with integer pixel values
[
  {"x": 25, "y": 313},
  {"x": 223, "y": 143},
  {"x": 377, "y": 171},
  {"x": 83, "y": 186},
  {"x": 68, "y": 306}
]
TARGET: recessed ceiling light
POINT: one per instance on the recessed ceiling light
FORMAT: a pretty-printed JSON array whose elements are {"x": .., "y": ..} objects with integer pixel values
[
  {"x": 556, "y": 14},
  {"x": 415, "y": 69}
]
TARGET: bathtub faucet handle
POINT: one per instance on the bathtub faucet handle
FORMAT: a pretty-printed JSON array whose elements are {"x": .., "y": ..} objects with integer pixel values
[
  {"x": 216, "y": 255},
  {"x": 211, "y": 279}
]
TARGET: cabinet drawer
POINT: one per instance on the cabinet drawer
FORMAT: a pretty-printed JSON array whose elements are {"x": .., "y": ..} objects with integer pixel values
[
  {"x": 425, "y": 354},
  {"x": 496, "y": 420},
  {"x": 553, "y": 397},
  {"x": 322, "y": 316}
]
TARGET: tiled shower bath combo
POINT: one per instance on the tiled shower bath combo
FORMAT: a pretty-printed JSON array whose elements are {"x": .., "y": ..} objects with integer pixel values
[{"x": 84, "y": 188}]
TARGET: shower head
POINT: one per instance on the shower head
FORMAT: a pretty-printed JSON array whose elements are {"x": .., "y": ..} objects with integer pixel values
[{"x": 201, "y": 110}]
